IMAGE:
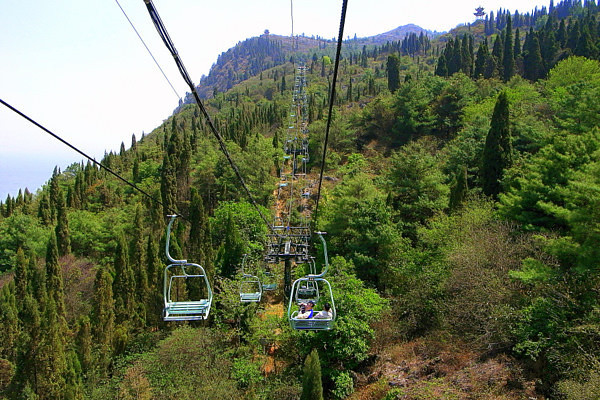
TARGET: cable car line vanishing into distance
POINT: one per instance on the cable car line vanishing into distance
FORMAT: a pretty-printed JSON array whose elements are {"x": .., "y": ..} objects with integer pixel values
[
  {"x": 171, "y": 47},
  {"x": 331, "y": 100}
]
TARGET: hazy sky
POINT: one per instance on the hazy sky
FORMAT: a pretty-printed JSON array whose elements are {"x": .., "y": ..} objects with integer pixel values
[{"x": 78, "y": 68}]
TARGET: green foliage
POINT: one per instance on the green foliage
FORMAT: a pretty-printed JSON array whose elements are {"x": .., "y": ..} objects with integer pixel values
[
  {"x": 359, "y": 222},
  {"x": 574, "y": 89},
  {"x": 416, "y": 185},
  {"x": 190, "y": 364},
  {"x": 21, "y": 231},
  {"x": 245, "y": 372},
  {"x": 343, "y": 385},
  {"x": 312, "y": 386},
  {"x": 572, "y": 389}
]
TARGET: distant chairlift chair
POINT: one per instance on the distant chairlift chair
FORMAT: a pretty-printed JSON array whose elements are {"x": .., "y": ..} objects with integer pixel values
[
  {"x": 250, "y": 287},
  {"x": 180, "y": 272}
]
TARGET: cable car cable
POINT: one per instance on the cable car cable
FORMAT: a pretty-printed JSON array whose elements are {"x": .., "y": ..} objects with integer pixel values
[
  {"x": 88, "y": 157},
  {"x": 151, "y": 55},
  {"x": 171, "y": 47},
  {"x": 331, "y": 100}
]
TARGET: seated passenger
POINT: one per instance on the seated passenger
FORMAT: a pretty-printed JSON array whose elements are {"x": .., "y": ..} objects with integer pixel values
[
  {"x": 325, "y": 313},
  {"x": 306, "y": 310}
]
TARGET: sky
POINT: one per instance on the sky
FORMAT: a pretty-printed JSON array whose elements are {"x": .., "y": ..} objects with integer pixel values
[{"x": 79, "y": 69}]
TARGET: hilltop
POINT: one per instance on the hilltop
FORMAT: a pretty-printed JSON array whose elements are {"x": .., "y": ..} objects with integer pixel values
[{"x": 254, "y": 55}]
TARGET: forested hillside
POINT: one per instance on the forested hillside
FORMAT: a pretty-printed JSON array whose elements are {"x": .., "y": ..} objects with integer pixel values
[{"x": 460, "y": 203}]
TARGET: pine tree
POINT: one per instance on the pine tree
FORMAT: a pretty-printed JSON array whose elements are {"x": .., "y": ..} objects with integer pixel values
[
  {"x": 312, "y": 385},
  {"x": 497, "y": 153},
  {"x": 393, "y": 72}
]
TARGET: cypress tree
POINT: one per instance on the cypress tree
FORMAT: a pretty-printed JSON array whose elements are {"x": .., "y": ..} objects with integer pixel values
[
  {"x": 155, "y": 300},
  {"x": 533, "y": 65},
  {"x": 9, "y": 322},
  {"x": 124, "y": 283},
  {"x": 55, "y": 193},
  {"x": 51, "y": 383},
  {"x": 497, "y": 153},
  {"x": 312, "y": 385},
  {"x": 456, "y": 63},
  {"x": 21, "y": 276},
  {"x": 442, "y": 66},
  {"x": 28, "y": 350},
  {"x": 466, "y": 56},
  {"x": 103, "y": 317},
  {"x": 63, "y": 239},
  {"x": 393, "y": 72},
  {"x": 459, "y": 189},
  {"x": 83, "y": 342},
  {"x": 138, "y": 263},
  {"x": 54, "y": 282},
  {"x": 508, "y": 60},
  {"x": 43, "y": 210},
  {"x": 483, "y": 54},
  {"x": 498, "y": 55},
  {"x": 232, "y": 248}
]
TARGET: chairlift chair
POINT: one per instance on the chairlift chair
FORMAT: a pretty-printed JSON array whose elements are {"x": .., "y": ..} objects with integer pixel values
[
  {"x": 196, "y": 306},
  {"x": 312, "y": 323},
  {"x": 250, "y": 286},
  {"x": 270, "y": 284}
]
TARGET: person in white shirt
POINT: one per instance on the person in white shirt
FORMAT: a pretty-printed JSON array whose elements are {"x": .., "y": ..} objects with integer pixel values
[{"x": 325, "y": 313}]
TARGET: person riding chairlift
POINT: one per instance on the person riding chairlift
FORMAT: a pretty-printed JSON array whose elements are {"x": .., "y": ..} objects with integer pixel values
[{"x": 306, "y": 310}]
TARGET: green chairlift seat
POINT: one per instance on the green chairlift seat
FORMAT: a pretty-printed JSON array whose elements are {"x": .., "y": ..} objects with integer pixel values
[{"x": 195, "y": 305}]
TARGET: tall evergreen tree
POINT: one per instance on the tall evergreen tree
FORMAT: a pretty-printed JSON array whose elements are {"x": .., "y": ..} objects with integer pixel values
[
  {"x": 533, "y": 65},
  {"x": 312, "y": 385},
  {"x": 124, "y": 283},
  {"x": 21, "y": 276},
  {"x": 28, "y": 349},
  {"x": 63, "y": 239},
  {"x": 497, "y": 152},
  {"x": 393, "y": 72},
  {"x": 441, "y": 68},
  {"x": 53, "y": 363},
  {"x": 498, "y": 56},
  {"x": 103, "y": 318},
  {"x": 54, "y": 282},
  {"x": 483, "y": 54},
  {"x": 508, "y": 60}
]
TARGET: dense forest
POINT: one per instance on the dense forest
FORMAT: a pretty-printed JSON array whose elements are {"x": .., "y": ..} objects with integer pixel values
[{"x": 461, "y": 203}]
